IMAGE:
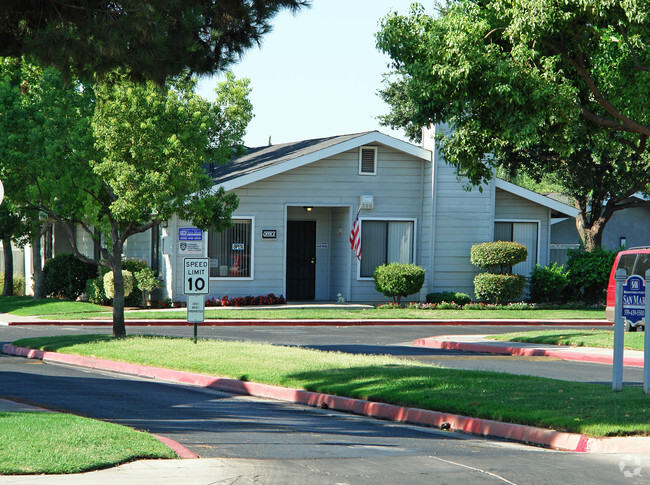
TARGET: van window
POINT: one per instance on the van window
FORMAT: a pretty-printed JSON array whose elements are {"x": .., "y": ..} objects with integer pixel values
[
  {"x": 642, "y": 264},
  {"x": 627, "y": 263}
]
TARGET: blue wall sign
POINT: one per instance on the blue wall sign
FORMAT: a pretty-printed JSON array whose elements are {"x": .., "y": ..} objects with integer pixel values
[
  {"x": 190, "y": 234},
  {"x": 634, "y": 299}
]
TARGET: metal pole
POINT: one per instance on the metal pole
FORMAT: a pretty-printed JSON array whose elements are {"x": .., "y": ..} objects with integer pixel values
[
  {"x": 195, "y": 331},
  {"x": 619, "y": 332},
  {"x": 646, "y": 337}
]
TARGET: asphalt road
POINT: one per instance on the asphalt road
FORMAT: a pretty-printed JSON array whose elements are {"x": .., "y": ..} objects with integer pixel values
[
  {"x": 297, "y": 444},
  {"x": 307, "y": 445},
  {"x": 394, "y": 340}
]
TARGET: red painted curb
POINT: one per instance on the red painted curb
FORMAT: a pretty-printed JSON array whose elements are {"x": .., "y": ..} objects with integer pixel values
[
  {"x": 483, "y": 427},
  {"x": 313, "y": 323},
  {"x": 179, "y": 449},
  {"x": 436, "y": 343}
]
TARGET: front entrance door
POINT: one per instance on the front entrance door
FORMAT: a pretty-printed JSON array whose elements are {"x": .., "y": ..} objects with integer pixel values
[{"x": 301, "y": 260}]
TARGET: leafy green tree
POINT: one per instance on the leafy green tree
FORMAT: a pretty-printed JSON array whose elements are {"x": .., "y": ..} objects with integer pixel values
[
  {"x": 152, "y": 141},
  {"x": 12, "y": 230},
  {"x": 43, "y": 121},
  {"x": 544, "y": 86},
  {"x": 153, "y": 39}
]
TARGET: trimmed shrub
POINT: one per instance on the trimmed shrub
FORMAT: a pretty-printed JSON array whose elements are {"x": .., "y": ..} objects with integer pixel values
[
  {"x": 588, "y": 273},
  {"x": 497, "y": 287},
  {"x": 109, "y": 288},
  {"x": 134, "y": 266},
  {"x": 449, "y": 297},
  {"x": 498, "y": 255},
  {"x": 19, "y": 284},
  {"x": 397, "y": 280},
  {"x": 65, "y": 276},
  {"x": 549, "y": 284}
]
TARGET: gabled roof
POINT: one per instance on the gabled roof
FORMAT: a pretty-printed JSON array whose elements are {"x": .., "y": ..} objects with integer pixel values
[
  {"x": 263, "y": 162},
  {"x": 558, "y": 208}
]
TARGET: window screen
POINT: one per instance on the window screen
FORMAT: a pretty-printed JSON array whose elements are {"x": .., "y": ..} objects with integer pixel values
[
  {"x": 385, "y": 242},
  {"x": 368, "y": 161},
  {"x": 230, "y": 250}
]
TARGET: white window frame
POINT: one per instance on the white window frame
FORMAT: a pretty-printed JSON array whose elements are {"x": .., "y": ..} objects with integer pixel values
[
  {"x": 387, "y": 219},
  {"x": 374, "y": 149},
  {"x": 252, "y": 262}
]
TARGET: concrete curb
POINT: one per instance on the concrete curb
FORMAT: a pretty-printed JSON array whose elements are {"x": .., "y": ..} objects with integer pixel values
[
  {"x": 481, "y": 427},
  {"x": 311, "y": 323},
  {"x": 563, "y": 354}
]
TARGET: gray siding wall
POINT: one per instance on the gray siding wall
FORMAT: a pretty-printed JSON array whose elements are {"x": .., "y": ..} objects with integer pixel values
[
  {"x": 461, "y": 219},
  {"x": 333, "y": 187},
  {"x": 138, "y": 246}
]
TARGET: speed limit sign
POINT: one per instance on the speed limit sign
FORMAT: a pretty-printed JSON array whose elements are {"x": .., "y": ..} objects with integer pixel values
[{"x": 197, "y": 276}]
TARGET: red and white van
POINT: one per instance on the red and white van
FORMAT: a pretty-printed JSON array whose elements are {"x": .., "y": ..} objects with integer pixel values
[{"x": 635, "y": 261}]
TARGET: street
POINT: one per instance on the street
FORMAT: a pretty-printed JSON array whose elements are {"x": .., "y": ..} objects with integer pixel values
[{"x": 307, "y": 445}]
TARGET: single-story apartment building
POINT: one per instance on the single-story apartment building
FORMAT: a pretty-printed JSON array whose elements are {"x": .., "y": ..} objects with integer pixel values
[{"x": 298, "y": 201}]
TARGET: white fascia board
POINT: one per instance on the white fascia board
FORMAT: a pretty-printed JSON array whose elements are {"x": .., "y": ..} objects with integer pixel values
[
  {"x": 537, "y": 198},
  {"x": 361, "y": 140}
]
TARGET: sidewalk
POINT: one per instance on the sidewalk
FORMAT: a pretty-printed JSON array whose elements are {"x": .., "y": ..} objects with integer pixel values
[{"x": 479, "y": 343}]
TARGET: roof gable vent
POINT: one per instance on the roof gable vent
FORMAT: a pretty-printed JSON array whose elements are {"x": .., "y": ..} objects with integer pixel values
[{"x": 368, "y": 161}]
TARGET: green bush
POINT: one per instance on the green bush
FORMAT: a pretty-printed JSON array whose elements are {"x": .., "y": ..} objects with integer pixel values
[
  {"x": 397, "y": 280},
  {"x": 109, "y": 288},
  {"x": 449, "y": 297},
  {"x": 549, "y": 284},
  {"x": 588, "y": 273},
  {"x": 65, "y": 276},
  {"x": 494, "y": 287},
  {"x": 19, "y": 284},
  {"x": 134, "y": 266},
  {"x": 498, "y": 255}
]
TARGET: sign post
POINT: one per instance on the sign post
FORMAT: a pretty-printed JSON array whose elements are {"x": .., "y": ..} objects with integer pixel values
[
  {"x": 646, "y": 337},
  {"x": 196, "y": 283},
  {"x": 619, "y": 332}
]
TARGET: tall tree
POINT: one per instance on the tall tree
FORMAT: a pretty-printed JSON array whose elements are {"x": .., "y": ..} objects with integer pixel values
[
  {"x": 542, "y": 85},
  {"x": 153, "y": 39},
  {"x": 43, "y": 119},
  {"x": 152, "y": 141}
]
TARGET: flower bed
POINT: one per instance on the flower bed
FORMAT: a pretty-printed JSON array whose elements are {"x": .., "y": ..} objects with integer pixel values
[{"x": 269, "y": 299}]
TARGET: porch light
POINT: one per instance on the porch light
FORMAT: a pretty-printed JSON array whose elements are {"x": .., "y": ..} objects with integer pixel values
[{"x": 308, "y": 209}]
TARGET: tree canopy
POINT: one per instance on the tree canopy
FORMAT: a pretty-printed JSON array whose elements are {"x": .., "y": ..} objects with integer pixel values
[
  {"x": 153, "y": 39},
  {"x": 544, "y": 86}
]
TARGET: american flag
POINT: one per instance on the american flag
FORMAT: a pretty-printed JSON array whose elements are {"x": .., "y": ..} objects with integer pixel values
[{"x": 355, "y": 239}]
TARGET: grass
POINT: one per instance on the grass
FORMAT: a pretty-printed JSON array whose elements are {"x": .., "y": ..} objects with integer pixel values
[
  {"x": 54, "y": 443},
  {"x": 27, "y": 306},
  {"x": 52, "y": 308},
  {"x": 574, "y": 338},
  {"x": 575, "y": 407}
]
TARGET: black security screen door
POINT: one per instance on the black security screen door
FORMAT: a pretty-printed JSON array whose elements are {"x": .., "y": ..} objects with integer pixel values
[{"x": 301, "y": 260}]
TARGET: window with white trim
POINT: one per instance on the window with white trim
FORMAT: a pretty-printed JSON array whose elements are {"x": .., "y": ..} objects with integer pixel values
[
  {"x": 384, "y": 242},
  {"x": 368, "y": 161},
  {"x": 230, "y": 251}
]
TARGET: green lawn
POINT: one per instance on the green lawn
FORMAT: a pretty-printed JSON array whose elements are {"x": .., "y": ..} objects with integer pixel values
[
  {"x": 576, "y": 407},
  {"x": 574, "y": 338},
  {"x": 53, "y": 443},
  {"x": 71, "y": 310}
]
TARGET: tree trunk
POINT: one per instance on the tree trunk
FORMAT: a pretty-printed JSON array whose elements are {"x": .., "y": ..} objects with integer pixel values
[
  {"x": 591, "y": 232},
  {"x": 8, "y": 289},
  {"x": 39, "y": 280},
  {"x": 119, "y": 329}
]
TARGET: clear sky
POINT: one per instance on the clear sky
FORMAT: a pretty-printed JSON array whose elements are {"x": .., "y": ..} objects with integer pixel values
[{"x": 317, "y": 73}]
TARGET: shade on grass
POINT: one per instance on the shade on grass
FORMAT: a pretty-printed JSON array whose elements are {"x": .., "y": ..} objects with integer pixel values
[
  {"x": 577, "y": 407},
  {"x": 52, "y": 443}
]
